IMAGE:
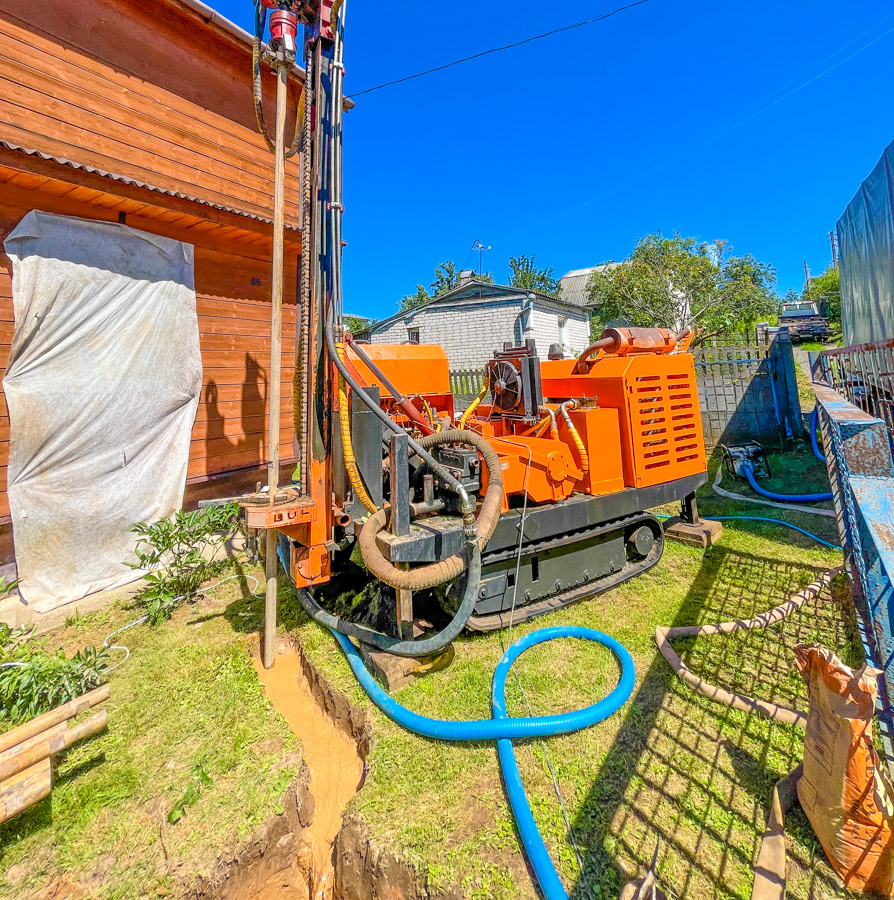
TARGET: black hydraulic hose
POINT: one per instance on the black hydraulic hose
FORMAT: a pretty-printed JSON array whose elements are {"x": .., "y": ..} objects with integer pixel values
[
  {"x": 258, "y": 90},
  {"x": 468, "y": 506},
  {"x": 412, "y": 648}
]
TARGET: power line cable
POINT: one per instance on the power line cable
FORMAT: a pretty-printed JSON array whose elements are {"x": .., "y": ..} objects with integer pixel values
[
  {"x": 465, "y": 59},
  {"x": 755, "y": 110}
]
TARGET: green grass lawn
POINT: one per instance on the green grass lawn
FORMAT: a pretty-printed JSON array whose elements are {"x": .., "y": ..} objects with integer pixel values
[
  {"x": 670, "y": 766},
  {"x": 187, "y": 698}
]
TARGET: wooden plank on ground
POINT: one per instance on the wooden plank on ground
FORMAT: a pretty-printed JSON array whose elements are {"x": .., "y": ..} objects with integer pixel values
[
  {"x": 25, "y": 789},
  {"x": 54, "y": 717}
]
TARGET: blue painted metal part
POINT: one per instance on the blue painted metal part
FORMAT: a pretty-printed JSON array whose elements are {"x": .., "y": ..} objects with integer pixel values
[
  {"x": 814, "y": 444},
  {"x": 861, "y": 471}
]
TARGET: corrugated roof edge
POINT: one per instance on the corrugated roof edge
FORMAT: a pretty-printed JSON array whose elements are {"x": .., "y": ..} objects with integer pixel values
[{"x": 124, "y": 179}]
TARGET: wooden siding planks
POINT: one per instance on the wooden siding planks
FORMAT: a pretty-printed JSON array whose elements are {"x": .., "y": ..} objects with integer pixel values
[{"x": 73, "y": 106}]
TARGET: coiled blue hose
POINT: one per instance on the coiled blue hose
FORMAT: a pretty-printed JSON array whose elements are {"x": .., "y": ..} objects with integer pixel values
[
  {"x": 814, "y": 444},
  {"x": 504, "y": 730},
  {"x": 785, "y": 498}
]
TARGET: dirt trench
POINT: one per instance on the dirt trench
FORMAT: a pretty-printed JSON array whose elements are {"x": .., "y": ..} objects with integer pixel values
[{"x": 309, "y": 852}]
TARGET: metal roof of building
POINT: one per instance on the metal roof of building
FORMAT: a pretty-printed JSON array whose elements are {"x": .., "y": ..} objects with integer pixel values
[
  {"x": 485, "y": 292},
  {"x": 134, "y": 182},
  {"x": 573, "y": 285}
]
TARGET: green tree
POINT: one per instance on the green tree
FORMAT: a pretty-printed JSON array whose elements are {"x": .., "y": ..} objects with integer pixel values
[
  {"x": 826, "y": 287},
  {"x": 528, "y": 276},
  {"x": 681, "y": 283},
  {"x": 356, "y": 325},
  {"x": 411, "y": 301},
  {"x": 446, "y": 278}
]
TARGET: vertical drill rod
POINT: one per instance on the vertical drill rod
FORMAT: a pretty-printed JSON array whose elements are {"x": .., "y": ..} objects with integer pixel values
[{"x": 275, "y": 380}]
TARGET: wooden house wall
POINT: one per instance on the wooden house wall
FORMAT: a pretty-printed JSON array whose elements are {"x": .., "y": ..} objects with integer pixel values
[
  {"x": 232, "y": 275},
  {"x": 156, "y": 97}
]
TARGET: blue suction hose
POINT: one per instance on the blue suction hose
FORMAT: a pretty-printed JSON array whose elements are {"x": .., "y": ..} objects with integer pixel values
[
  {"x": 793, "y": 498},
  {"x": 803, "y": 531},
  {"x": 504, "y": 730},
  {"x": 814, "y": 424},
  {"x": 785, "y": 498}
]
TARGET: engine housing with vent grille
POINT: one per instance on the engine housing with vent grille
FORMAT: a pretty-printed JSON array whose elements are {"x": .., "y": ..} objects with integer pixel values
[
  {"x": 658, "y": 410},
  {"x": 612, "y": 438}
]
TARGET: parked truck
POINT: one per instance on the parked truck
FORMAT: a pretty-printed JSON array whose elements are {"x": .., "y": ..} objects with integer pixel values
[{"x": 803, "y": 321}]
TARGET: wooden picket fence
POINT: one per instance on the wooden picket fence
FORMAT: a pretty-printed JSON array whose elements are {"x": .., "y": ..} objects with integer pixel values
[{"x": 466, "y": 384}]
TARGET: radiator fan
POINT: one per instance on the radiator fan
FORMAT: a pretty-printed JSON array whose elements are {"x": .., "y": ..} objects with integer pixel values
[{"x": 505, "y": 385}]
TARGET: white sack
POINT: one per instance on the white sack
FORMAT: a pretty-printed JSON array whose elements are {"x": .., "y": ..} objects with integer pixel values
[{"x": 103, "y": 384}]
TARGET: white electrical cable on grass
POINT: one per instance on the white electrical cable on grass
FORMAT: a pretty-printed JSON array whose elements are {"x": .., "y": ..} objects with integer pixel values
[
  {"x": 730, "y": 495},
  {"x": 126, "y": 650},
  {"x": 521, "y": 539}
]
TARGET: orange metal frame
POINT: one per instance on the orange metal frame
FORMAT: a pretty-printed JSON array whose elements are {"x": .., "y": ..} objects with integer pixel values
[{"x": 636, "y": 413}]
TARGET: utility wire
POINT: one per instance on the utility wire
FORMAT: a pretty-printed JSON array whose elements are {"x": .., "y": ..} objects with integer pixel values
[
  {"x": 465, "y": 59},
  {"x": 750, "y": 113}
]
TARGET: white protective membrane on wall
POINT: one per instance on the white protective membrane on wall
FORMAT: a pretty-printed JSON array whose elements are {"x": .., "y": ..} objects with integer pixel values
[{"x": 103, "y": 384}]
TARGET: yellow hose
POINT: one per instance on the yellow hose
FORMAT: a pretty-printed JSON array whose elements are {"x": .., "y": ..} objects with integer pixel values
[
  {"x": 434, "y": 421},
  {"x": 475, "y": 404},
  {"x": 347, "y": 447},
  {"x": 538, "y": 429},
  {"x": 581, "y": 449}
]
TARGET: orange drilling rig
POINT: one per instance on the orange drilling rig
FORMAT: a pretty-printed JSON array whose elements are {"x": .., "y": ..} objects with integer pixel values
[{"x": 533, "y": 497}]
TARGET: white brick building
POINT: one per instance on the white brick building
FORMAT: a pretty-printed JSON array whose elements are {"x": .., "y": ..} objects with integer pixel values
[{"x": 475, "y": 319}]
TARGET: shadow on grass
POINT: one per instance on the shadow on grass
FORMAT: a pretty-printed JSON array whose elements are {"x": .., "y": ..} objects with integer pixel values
[{"x": 699, "y": 776}]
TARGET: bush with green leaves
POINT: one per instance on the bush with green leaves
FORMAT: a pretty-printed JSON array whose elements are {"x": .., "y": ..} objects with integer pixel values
[
  {"x": 175, "y": 553},
  {"x": 33, "y": 681}
]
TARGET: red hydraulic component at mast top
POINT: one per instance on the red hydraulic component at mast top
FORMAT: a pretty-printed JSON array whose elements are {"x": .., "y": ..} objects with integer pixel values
[{"x": 313, "y": 13}]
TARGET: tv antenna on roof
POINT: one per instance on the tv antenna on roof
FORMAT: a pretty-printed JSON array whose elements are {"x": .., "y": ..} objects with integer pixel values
[{"x": 480, "y": 248}]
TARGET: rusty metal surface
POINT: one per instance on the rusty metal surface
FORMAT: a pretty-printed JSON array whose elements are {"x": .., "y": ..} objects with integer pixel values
[
  {"x": 861, "y": 471},
  {"x": 863, "y": 374}
]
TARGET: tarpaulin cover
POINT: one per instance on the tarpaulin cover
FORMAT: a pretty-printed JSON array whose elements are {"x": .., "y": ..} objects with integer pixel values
[
  {"x": 866, "y": 243},
  {"x": 103, "y": 384}
]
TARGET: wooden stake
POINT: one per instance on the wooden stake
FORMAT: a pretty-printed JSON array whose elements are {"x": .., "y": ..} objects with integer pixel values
[{"x": 275, "y": 380}]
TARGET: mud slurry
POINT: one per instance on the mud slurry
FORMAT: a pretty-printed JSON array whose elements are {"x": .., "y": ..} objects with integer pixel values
[{"x": 336, "y": 769}]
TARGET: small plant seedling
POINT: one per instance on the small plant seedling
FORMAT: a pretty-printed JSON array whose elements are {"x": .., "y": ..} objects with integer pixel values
[
  {"x": 280, "y": 786},
  {"x": 191, "y": 793}
]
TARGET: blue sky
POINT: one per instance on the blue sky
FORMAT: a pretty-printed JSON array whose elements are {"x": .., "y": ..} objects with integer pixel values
[{"x": 676, "y": 115}]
